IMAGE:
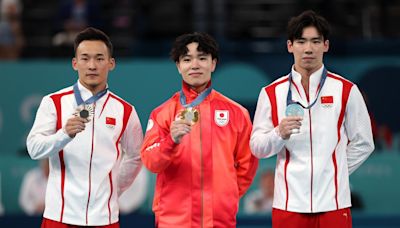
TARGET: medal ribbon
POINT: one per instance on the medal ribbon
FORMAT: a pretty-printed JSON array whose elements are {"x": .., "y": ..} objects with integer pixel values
[
  {"x": 91, "y": 100},
  {"x": 289, "y": 99},
  {"x": 196, "y": 101}
]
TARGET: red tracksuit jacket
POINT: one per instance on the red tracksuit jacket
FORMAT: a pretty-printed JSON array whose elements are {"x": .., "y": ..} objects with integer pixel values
[{"x": 200, "y": 180}]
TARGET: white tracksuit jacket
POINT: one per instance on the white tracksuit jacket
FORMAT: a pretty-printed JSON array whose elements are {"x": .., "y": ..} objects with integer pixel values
[
  {"x": 313, "y": 167},
  {"x": 90, "y": 171}
]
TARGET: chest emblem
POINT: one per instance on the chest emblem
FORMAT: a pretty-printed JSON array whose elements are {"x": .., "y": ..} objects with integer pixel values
[
  {"x": 221, "y": 117},
  {"x": 110, "y": 122},
  {"x": 327, "y": 101}
]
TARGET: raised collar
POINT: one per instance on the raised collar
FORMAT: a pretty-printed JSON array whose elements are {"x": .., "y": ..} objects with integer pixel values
[
  {"x": 190, "y": 93},
  {"x": 85, "y": 92},
  {"x": 314, "y": 81}
]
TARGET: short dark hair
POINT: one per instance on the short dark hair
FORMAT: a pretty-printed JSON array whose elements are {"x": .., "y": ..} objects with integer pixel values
[
  {"x": 207, "y": 44},
  {"x": 91, "y": 33},
  {"x": 308, "y": 18}
]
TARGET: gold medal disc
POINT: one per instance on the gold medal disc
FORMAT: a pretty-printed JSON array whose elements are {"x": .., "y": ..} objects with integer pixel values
[{"x": 191, "y": 115}]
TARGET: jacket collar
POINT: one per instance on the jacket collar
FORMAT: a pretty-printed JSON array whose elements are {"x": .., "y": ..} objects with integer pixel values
[
  {"x": 86, "y": 93},
  {"x": 190, "y": 93},
  {"x": 314, "y": 81}
]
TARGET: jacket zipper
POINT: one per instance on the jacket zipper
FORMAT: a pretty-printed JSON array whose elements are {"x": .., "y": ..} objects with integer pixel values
[
  {"x": 311, "y": 151},
  {"x": 90, "y": 164},
  {"x": 312, "y": 163},
  {"x": 201, "y": 174}
]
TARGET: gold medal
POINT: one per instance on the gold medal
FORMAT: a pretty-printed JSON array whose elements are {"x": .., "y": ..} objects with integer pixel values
[{"x": 190, "y": 114}]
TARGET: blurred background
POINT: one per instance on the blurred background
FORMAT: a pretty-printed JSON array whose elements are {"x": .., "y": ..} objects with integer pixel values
[{"x": 35, "y": 59}]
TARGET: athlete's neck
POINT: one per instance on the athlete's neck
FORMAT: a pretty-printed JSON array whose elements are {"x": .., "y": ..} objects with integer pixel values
[
  {"x": 305, "y": 76},
  {"x": 95, "y": 89},
  {"x": 200, "y": 88}
]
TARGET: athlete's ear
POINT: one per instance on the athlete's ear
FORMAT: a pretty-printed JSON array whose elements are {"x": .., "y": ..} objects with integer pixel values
[
  {"x": 112, "y": 64},
  {"x": 289, "y": 45},
  {"x": 178, "y": 67},
  {"x": 326, "y": 45},
  {"x": 214, "y": 65},
  {"x": 74, "y": 62}
]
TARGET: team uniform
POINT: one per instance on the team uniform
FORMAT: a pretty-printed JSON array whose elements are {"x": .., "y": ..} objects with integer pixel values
[
  {"x": 335, "y": 138},
  {"x": 200, "y": 180},
  {"x": 87, "y": 172}
]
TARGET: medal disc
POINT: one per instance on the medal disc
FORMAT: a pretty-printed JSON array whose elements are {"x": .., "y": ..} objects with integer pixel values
[
  {"x": 294, "y": 110},
  {"x": 190, "y": 114},
  {"x": 84, "y": 113}
]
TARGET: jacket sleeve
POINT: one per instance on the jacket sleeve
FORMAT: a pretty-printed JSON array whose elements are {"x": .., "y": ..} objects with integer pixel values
[
  {"x": 131, "y": 142},
  {"x": 264, "y": 141},
  {"x": 43, "y": 140},
  {"x": 358, "y": 128},
  {"x": 158, "y": 149},
  {"x": 246, "y": 164}
]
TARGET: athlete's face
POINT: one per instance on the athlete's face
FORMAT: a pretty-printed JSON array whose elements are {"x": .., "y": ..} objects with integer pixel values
[
  {"x": 93, "y": 62},
  {"x": 308, "y": 51},
  {"x": 196, "y": 67}
]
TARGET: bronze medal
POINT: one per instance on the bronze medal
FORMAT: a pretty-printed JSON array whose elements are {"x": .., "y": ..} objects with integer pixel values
[{"x": 84, "y": 113}]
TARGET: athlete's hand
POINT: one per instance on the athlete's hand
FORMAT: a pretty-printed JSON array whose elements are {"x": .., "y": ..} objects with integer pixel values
[
  {"x": 75, "y": 125},
  {"x": 178, "y": 129},
  {"x": 287, "y": 125}
]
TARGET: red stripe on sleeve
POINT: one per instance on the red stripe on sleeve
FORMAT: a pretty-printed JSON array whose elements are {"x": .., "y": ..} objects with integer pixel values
[
  {"x": 57, "y": 103},
  {"x": 127, "y": 112},
  {"x": 347, "y": 85},
  {"x": 270, "y": 90}
]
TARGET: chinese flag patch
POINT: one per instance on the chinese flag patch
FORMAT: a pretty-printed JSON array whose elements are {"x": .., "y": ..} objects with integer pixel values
[
  {"x": 327, "y": 100},
  {"x": 110, "y": 120}
]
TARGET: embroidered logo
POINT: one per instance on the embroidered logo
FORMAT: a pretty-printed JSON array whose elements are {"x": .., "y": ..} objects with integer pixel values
[
  {"x": 326, "y": 101},
  {"x": 221, "y": 117},
  {"x": 152, "y": 146},
  {"x": 110, "y": 122}
]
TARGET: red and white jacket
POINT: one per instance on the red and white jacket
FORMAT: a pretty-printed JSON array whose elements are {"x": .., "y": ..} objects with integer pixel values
[
  {"x": 200, "y": 180},
  {"x": 313, "y": 166},
  {"x": 90, "y": 171}
]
